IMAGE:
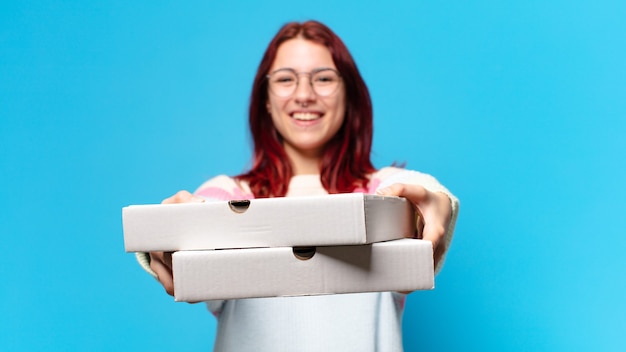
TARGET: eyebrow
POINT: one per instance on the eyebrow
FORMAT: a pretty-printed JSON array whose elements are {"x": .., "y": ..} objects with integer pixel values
[{"x": 317, "y": 69}]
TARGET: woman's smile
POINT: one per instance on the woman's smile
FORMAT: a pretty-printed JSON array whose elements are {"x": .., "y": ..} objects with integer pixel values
[{"x": 306, "y": 116}]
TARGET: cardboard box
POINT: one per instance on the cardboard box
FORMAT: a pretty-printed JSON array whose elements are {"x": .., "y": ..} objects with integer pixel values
[
  {"x": 400, "y": 265},
  {"x": 338, "y": 219}
]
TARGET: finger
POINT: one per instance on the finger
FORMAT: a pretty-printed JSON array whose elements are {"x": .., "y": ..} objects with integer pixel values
[
  {"x": 163, "y": 271},
  {"x": 433, "y": 232},
  {"x": 167, "y": 260},
  {"x": 164, "y": 258},
  {"x": 419, "y": 225},
  {"x": 393, "y": 190},
  {"x": 182, "y": 197},
  {"x": 165, "y": 278},
  {"x": 414, "y": 193}
]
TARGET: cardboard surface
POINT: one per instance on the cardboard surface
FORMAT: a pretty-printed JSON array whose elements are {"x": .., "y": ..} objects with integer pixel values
[
  {"x": 400, "y": 265},
  {"x": 338, "y": 219}
]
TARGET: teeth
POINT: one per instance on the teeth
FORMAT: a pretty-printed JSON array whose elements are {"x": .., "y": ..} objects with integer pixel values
[{"x": 305, "y": 116}]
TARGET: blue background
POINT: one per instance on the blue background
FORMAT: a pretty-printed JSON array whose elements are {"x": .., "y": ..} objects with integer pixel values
[{"x": 519, "y": 108}]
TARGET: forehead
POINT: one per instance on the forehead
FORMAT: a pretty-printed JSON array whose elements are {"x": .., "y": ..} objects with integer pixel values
[{"x": 302, "y": 55}]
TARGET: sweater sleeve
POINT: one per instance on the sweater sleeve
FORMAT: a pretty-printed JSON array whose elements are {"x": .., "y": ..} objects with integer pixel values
[{"x": 390, "y": 175}]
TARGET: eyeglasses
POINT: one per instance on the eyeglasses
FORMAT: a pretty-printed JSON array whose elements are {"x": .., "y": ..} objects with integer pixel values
[{"x": 324, "y": 81}]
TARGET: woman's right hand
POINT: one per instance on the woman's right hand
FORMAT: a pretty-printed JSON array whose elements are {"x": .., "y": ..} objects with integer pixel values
[{"x": 161, "y": 262}]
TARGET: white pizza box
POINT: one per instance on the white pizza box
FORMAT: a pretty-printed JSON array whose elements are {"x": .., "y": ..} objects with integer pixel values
[
  {"x": 399, "y": 265},
  {"x": 338, "y": 219}
]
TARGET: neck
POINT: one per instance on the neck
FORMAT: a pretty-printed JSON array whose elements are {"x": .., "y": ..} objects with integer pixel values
[{"x": 304, "y": 163}]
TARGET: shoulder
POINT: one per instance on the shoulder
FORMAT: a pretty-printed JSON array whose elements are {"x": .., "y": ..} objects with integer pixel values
[
  {"x": 389, "y": 175},
  {"x": 386, "y": 172},
  {"x": 378, "y": 179},
  {"x": 223, "y": 187}
]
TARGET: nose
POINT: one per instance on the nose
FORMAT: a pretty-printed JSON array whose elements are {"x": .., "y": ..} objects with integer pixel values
[{"x": 304, "y": 90}]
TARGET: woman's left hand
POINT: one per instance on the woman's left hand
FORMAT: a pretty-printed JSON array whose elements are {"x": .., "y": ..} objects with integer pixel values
[{"x": 434, "y": 209}]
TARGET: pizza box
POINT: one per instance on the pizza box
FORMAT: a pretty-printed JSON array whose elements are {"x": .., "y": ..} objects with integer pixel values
[
  {"x": 328, "y": 220},
  {"x": 398, "y": 265}
]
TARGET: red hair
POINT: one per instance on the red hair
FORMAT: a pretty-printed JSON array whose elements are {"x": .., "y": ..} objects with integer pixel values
[{"x": 345, "y": 163}]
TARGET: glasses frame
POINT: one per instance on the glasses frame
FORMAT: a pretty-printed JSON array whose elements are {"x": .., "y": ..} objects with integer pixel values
[{"x": 298, "y": 74}]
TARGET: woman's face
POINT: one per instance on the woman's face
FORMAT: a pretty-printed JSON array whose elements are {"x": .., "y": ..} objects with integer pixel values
[{"x": 306, "y": 120}]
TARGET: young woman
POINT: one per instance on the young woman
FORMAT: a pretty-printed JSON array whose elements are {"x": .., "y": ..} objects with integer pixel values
[{"x": 311, "y": 122}]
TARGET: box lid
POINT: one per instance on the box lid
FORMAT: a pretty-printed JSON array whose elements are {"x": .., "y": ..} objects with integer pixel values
[{"x": 338, "y": 219}]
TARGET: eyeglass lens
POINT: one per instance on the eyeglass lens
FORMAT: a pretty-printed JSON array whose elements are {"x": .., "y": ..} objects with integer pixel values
[{"x": 284, "y": 82}]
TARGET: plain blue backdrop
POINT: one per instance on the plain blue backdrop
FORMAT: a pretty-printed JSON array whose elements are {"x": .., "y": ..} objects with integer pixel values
[{"x": 518, "y": 108}]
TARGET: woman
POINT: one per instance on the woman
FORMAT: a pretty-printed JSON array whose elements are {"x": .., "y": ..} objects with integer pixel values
[{"x": 311, "y": 121}]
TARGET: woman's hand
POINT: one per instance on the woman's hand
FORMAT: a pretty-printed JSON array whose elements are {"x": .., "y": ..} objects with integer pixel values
[
  {"x": 161, "y": 262},
  {"x": 434, "y": 210}
]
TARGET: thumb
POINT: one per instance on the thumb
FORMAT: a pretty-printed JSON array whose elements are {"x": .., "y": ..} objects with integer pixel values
[{"x": 395, "y": 190}]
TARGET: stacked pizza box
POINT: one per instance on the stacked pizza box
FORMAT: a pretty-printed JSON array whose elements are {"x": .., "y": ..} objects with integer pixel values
[{"x": 342, "y": 243}]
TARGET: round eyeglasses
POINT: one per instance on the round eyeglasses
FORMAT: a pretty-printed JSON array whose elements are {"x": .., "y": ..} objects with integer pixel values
[{"x": 324, "y": 81}]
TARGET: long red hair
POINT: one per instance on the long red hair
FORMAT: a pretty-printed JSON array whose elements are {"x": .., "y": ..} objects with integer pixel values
[{"x": 345, "y": 164}]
